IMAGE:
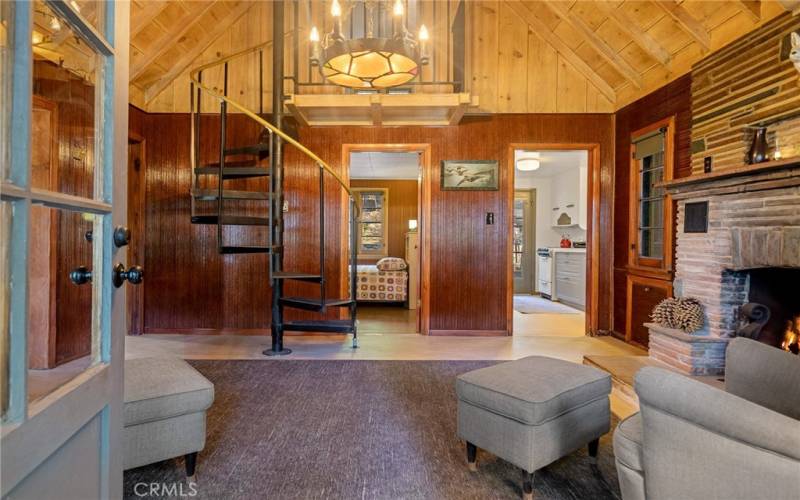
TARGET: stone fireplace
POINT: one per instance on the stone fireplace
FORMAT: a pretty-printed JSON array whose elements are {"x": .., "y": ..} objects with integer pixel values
[{"x": 747, "y": 249}]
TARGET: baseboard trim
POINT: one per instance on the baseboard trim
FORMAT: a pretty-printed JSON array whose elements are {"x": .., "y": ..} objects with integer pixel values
[
  {"x": 468, "y": 333},
  {"x": 206, "y": 331}
]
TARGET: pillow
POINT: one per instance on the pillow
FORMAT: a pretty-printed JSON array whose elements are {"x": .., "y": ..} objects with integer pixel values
[{"x": 391, "y": 264}]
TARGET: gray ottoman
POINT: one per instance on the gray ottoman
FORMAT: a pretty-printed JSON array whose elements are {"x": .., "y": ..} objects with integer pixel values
[
  {"x": 533, "y": 411},
  {"x": 165, "y": 411}
]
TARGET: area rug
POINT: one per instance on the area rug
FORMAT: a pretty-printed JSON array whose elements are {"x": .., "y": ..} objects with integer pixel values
[
  {"x": 533, "y": 304},
  {"x": 284, "y": 429}
]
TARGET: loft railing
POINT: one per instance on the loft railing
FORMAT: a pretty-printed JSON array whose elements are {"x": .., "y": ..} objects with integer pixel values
[{"x": 199, "y": 89}]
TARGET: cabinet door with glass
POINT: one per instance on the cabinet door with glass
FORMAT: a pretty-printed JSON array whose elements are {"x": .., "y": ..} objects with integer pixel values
[
  {"x": 650, "y": 207},
  {"x": 372, "y": 231}
]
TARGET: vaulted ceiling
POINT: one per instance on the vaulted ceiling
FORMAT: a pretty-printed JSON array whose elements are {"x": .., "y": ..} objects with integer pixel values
[{"x": 523, "y": 56}]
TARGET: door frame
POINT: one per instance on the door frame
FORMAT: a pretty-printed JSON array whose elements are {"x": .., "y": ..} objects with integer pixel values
[
  {"x": 592, "y": 232},
  {"x": 137, "y": 224},
  {"x": 423, "y": 216},
  {"x": 530, "y": 233}
]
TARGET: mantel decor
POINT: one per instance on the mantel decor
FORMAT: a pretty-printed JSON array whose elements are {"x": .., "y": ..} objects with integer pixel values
[
  {"x": 378, "y": 52},
  {"x": 470, "y": 175}
]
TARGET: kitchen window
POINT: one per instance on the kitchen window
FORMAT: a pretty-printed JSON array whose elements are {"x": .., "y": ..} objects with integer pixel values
[{"x": 372, "y": 228}]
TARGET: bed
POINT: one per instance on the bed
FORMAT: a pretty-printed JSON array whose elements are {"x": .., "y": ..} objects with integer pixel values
[{"x": 374, "y": 285}]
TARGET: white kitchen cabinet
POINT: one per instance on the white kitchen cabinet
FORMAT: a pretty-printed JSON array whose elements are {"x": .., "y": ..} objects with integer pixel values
[
  {"x": 569, "y": 282},
  {"x": 569, "y": 199}
]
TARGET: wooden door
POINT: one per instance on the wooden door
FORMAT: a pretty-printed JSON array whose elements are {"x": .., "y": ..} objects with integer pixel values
[
  {"x": 65, "y": 442},
  {"x": 524, "y": 227}
]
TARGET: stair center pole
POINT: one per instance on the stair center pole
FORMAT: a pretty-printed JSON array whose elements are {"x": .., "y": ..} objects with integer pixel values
[{"x": 276, "y": 179}]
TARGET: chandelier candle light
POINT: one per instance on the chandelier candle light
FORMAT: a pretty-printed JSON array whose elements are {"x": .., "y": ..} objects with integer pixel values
[{"x": 372, "y": 61}]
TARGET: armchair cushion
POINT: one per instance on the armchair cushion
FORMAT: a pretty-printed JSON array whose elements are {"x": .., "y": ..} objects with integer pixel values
[
  {"x": 764, "y": 375},
  {"x": 628, "y": 442}
]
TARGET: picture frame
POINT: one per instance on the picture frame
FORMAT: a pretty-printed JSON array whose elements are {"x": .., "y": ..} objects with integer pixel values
[{"x": 470, "y": 175}]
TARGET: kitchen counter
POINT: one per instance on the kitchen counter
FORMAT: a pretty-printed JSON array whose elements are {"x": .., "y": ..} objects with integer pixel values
[{"x": 574, "y": 250}]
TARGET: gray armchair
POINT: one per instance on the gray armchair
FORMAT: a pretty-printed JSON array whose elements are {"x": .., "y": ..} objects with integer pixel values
[{"x": 692, "y": 441}]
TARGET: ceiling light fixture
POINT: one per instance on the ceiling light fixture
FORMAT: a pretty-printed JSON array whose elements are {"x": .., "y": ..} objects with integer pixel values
[
  {"x": 528, "y": 164},
  {"x": 376, "y": 60}
]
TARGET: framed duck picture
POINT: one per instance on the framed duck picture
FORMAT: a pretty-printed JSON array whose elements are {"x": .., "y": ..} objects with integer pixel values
[{"x": 470, "y": 175}]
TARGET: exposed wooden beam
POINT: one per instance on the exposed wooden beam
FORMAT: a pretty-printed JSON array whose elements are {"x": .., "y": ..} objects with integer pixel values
[
  {"x": 183, "y": 63},
  {"x": 541, "y": 29},
  {"x": 150, "y": 11},
  {"x": 376, "y": 110},
  {"x": 688, "y": 24},
  {"x": 464, "y": 100},
  {"x": 792, "y": 6},
  {"x": 167, "y": 41},
  {"x": 613, "y": 58},
  {"x": 751, "y": 8},
  {"x": 640, "y": 37}
]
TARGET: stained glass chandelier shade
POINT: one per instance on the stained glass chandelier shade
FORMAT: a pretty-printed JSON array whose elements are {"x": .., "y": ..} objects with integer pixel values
[{"x": 370, "y": 62}]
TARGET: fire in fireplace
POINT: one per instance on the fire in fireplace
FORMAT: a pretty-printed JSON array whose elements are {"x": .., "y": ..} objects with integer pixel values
[
  {"x": 772, "y": 314},
  {"x": 791, "y": 338}
]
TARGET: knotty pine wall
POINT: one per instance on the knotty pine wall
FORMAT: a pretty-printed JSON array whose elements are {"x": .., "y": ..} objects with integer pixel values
[
  {"x": 189, "y": 287},
  {"x": 673, "y": 99},
  {"x": 749, "y": 83}
]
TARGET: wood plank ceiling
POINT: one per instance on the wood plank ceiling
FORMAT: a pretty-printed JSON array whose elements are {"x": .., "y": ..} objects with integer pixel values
[{"x": 524, "y": 56}]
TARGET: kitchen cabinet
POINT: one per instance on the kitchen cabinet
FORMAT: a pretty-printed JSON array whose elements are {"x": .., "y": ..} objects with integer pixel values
[
  {"x": 570, "y": 199},
  {"x": 569, "y": 283}
]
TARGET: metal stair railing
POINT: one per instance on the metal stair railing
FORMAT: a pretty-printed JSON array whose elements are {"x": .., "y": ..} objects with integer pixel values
[{"x": 275, "y": 212}]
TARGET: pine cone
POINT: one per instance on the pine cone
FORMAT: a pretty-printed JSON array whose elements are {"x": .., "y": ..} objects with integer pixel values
[
  {"x": 689, "y": 315},
  {"x": 664, "y": 313}
]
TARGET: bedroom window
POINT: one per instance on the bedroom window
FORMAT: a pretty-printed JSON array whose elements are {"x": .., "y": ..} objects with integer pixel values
[{"x": 372, "y": 224}]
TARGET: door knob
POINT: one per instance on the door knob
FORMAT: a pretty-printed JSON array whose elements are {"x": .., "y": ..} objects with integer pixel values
[
  {"x": 134, "y": 275},
  {"x": 122, "y": 236},
  {"x": 80, "y": 275}
]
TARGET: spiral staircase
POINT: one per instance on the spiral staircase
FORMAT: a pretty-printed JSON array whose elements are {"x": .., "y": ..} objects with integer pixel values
[{"x": 214, "y": 203}]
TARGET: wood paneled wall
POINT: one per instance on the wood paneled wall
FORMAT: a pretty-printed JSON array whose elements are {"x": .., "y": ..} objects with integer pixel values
[
  {"x": 751, "y": 82},
  {"x": 464, "y": 250},
  {"x": 403, "y": 197},
  {"x": 673, "y": 99},
  {"x": 189, "y": 287}
]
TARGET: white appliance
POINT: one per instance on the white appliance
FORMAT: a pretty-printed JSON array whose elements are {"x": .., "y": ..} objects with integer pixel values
[{"x": 544, "y": 270}]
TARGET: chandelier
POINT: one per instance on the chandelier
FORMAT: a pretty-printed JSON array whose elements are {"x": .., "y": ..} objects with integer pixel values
[{"x": 386, "y": 56}]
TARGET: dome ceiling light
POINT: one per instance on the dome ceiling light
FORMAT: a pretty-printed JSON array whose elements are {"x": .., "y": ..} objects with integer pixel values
[
  {"x": 529, "y": 162},
  {"x": 372, "y": 61}
]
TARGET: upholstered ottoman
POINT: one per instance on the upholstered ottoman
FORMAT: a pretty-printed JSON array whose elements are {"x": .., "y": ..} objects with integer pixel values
[
  {"x": 533, "y": 411},
  {"x": 165, "y": 411}
]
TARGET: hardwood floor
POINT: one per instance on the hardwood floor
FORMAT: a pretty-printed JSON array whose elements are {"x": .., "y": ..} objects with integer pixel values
[{"x": 385, "y": 319}]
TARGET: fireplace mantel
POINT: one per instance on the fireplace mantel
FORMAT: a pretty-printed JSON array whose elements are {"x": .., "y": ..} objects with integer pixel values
[{"x": 747, "y": 178}]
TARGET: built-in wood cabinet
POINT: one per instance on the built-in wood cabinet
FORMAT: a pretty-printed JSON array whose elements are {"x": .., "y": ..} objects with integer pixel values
[
  {"x": 650, "y": 232},
  {"x": 643, "y": 295}
]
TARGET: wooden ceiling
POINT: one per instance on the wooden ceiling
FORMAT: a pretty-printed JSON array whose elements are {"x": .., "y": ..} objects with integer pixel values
[{"x": 523, "y": 56}]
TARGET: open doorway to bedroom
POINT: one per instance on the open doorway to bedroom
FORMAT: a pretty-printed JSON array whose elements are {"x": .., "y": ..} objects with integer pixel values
[
  {"x": 549, "y": 222},
  {"x": 387, "y": 185}
]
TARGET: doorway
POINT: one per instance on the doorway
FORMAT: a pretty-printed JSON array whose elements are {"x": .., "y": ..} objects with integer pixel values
[
  {"x": 548, "y": 241},
  {"x": 387, "y": 180},
  {"x": 524, "y": 241}
]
